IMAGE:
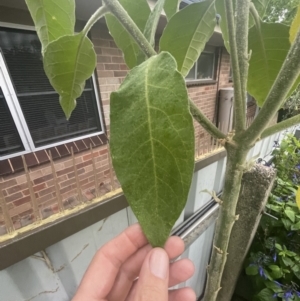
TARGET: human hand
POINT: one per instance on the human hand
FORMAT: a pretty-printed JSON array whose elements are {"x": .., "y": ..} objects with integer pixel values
[{"x": 112, "y": 273}]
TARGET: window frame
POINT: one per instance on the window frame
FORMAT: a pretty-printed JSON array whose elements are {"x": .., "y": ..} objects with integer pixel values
[
  {"x": 17, "y": 113},
  {"x": 208, "y": 49}
]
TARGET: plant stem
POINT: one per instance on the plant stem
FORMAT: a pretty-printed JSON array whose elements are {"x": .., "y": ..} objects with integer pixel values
[
  {"x": 238, "y": 98},
  {"x": 281, "y": 126},
  {"x": 236, "y": 157},
  {"x": 98, "y": 14},
  {"x": 205, "y": 122},
  {"x": 242, "y": 29},
  {"x": 120, "y": 13},
  {"x": 283, "y": 84}
]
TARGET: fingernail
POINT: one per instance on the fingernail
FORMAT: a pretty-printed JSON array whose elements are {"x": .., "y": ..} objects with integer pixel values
[{"x": 159, "y": 263}]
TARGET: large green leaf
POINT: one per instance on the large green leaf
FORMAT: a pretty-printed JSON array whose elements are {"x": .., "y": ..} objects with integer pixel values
[
  {"x": 152, "y": 144},
  {"x": 187, "y": 33},
  {"x": 295, "y": 26},
  {"x": 139, "y": 11},
  {"x": 68, "y": 62},
  {"x": 52, "y": 18},
  {"x": 269, "y": 44},
  {"x": 171, "y": 8}
]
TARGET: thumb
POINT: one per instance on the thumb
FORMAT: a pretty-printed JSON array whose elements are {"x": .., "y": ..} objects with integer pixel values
[{"x": 154, "y": 277}]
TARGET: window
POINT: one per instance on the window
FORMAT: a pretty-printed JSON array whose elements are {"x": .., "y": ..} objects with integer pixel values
[
  {"x": 204, "y": 68},
  {"x": 35, "y": 104}
]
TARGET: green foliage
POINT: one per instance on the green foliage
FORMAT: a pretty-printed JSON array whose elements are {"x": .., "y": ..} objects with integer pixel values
[
  {"x": 269, "y": 44},
  {"x": 261, "y": 6},
  {"x": 184, "y": 42},
  {"x": 275, "y": 252},
  {"x": 152, "y": 144},
  {"x": 171, "y": 8},
  {"x": 53, "y": 19},
  {"x": 68, "y": 62},
  {"x": 139, "y": 11}
]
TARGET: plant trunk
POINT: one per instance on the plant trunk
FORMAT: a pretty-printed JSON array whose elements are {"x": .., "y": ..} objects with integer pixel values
[
  {"x": 256, "y": 186},
  {"x": 236, "y": 157}
]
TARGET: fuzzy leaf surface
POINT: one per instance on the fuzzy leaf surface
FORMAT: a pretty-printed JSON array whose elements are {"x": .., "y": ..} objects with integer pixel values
[
  {"x": 139, "y": 11},
  {"x": 187, "y": 33},
  {"x": 171, "y": 8},
  {"x": 152, "y": 144},
  {"x": 298, "y": 197},
  {"x": 68, "y": 62},
  {"x": 52, "y": 18},
  {"x": 270, "y": 45}
]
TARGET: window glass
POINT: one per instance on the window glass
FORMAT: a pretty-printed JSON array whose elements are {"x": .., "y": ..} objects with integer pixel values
[
  {"x": 38, "y": 100},
  {"x": 192, "y": 73},
  {"x": 10, "y": 141},
  {"x": 205, "y": 69}
]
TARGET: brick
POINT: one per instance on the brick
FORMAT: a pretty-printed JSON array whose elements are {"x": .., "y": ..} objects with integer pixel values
[
  {"x": 113, "y": 81},
  {"x": 103, "y": 59},
  {"x": 120, "y": 73},
  {"x": 14, "y": 197},
  {"x": 112, "y": 67},
  {"x": 106, "y": 74},
  {"x": 100, "y": 67},
  {"x": 22, "y": 201},
  {"x": 117, "y": 59},
  {"x": 16, "y": 188},
  {"x": 46, "y": 191},
  {"x": 79, "y": 172},
  {"x": 42, "y": 179},
  {"x": 101, "y": 43},
  {"x": 20, "y": 209},
  {"x": 110, "y": 51},
  {"x": 7, "y": 184}
]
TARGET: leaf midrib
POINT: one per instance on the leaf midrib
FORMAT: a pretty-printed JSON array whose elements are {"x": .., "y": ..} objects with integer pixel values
[
  {"x": 150, "y": 130},
  {"x": 185, "y": 57}
]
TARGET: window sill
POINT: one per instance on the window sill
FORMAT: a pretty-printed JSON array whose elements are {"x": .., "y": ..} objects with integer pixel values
[
  {"x": 15, "y": 164},
  {"x": 200, "y": 82}
]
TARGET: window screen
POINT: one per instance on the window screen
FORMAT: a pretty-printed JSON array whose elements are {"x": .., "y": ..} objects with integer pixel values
[
  {"x": 10, "y": 141},
  {"x": 38, "y": 100}
]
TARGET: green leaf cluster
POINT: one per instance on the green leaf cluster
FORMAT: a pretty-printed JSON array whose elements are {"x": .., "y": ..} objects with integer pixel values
[
  {"x": 273, "y": 265},
  {"x": 69, "y": 58}
]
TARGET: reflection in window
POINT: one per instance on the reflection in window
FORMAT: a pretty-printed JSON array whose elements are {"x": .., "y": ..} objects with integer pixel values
[{"x": 203, "y": 68}]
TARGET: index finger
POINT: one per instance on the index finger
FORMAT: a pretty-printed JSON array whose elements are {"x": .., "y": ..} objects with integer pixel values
[{"x": 100, "y": 275}]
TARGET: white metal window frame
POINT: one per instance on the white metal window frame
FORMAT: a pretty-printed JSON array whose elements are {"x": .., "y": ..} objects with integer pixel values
[
  {"x": 7, "y": 86},
  {"x": 196, "y": 69}
]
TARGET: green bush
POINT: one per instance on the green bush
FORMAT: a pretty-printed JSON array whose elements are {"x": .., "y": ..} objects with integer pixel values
[{"x": 273, "y": 264}]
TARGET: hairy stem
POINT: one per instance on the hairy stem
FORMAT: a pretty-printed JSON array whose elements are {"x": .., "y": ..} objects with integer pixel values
[
  {"x": 283, "y": 84},
  {"x": 280, "y": 126},
  {"x": 238, "y": 98},
  {"x": 205, "y": 122},
  {"x": 98, "y": 14},
  {"x": 242, "y": 28},
  {"x": 236, "y": 157},
  {"x": 120, "y": 13}
]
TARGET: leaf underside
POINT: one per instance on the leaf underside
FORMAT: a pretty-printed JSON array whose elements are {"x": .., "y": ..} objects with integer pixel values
[
  {"x": 187, "y": 33},
  {"x": 68, "y": 62},
  {"x": 139, "y": 11},
  {"x": 269, "y": 45},
  {"x": 52, "y": 18},
  {"x": 152, "y": 144}
]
